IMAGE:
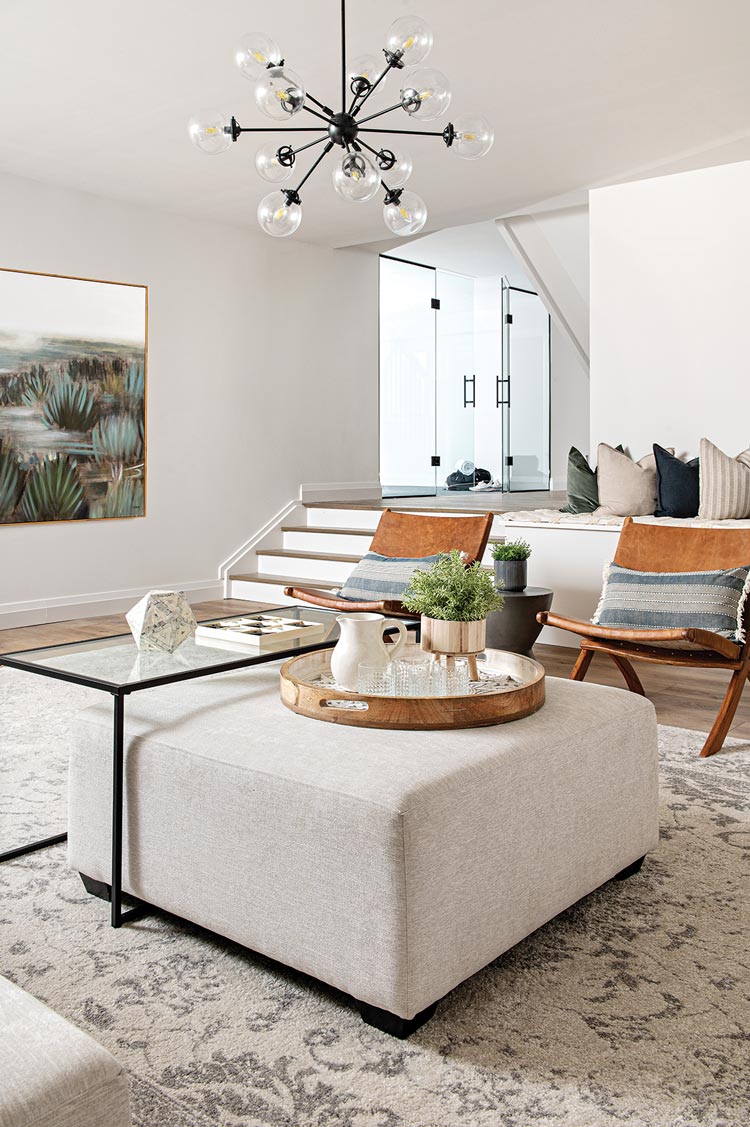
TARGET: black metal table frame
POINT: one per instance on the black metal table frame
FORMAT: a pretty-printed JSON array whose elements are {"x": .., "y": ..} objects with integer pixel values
[{"x": 118, "y": 916}]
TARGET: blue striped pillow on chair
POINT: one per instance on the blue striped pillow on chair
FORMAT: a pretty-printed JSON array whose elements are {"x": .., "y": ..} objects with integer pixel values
[
  {"x": 377, "y": 577},
  {"x": 666, "y": 600}
]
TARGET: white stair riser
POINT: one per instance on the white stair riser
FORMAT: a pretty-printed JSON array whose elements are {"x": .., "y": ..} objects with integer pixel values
[
  {"x": 343, "y": 518},
  {"x": 367, "y": 519},
  {"x": 351, "y": 545},
  {"x": 333, "y": 570},
  {"x": 259, "y": 592}
]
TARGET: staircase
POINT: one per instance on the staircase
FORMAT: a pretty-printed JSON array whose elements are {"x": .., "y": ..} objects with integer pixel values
[{"x": 314, "y": 546}]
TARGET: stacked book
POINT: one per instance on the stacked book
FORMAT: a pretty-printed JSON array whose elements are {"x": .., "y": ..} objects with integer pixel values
[{"x": 258, "y": 631}]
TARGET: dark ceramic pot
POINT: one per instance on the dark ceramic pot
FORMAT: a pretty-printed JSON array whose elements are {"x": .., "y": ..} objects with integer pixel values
[{"x": 510, "y": 575}]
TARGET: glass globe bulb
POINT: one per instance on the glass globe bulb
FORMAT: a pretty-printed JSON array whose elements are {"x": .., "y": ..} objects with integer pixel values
[
  {"x": 395, "y": 166},
  {"x": 473, "y": 136},
  {"x": 410, "y": 39},
  {"x": 426, "y": 93},
  {"x": 407, "y": 215},
  {"x": 254, "y": 53},
  {"x": 269, "y": 166},
  {"x": 355, "y": 178},
  {"x": 279, "y": 93},
  {"x": 210, "y": 131},
  {"x": 368, "y": 67},
  {"x": 277, "y": 216}
]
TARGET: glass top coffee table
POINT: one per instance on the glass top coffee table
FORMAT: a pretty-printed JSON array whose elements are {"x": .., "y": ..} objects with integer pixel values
[{"x": 115, "y": 665}]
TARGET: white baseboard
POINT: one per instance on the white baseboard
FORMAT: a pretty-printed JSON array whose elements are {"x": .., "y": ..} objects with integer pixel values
[
  {"x": 38, "y": 612},
  {"x": 340, "y": 491}
]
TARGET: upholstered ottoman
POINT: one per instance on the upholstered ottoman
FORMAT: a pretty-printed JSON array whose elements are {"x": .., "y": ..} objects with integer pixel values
[
  {"x": 52, "y": 1074},
  {"x": 392, "y": 865}
]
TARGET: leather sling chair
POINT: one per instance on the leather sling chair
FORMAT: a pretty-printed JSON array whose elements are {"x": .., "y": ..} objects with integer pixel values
[
  {"x": 661, "y": 548},
  {"x": 408, "y": 536}
]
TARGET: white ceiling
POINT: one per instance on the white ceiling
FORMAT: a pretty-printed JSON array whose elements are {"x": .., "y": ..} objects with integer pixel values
[{"x": 95, "y": 95}]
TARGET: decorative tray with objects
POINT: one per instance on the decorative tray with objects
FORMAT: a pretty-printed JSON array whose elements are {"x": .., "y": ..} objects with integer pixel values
[
  {"x": 257, "y": 630},
  {"x": 509, "y": 687}
]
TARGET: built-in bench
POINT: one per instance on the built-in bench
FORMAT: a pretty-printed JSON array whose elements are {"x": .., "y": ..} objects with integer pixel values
[{"x": 570, "y": 552}]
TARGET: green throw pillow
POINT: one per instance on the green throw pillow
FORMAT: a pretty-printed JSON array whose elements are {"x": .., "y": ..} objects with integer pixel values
[{"x": 583, "y": 486}]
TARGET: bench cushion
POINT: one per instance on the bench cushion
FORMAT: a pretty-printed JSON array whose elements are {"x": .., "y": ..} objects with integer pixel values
[
  {"x": 392, "y": 865},
  {"x": 53, "y": 1074}
]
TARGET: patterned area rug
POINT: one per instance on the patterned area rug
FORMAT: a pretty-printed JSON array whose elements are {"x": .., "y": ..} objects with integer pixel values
[{"x": 630, "y": 1008}]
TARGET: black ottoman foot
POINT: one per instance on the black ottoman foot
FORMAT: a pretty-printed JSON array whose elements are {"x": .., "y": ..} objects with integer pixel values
[
  {"x": 97, "y": 887},
  {"x": 631, "y": 870},
  {"x": 386, "y": 1022}
]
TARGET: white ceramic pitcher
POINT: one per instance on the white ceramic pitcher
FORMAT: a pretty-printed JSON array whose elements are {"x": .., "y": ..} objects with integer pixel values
[{"x": 362, "y": 640}]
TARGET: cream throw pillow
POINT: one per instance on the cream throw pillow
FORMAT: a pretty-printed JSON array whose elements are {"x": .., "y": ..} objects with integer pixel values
[
  {"x": 724, "y": 484},
  {"x": 626, "y": 488}
]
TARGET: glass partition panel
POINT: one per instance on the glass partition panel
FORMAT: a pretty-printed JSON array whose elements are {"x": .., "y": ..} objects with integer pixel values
[
  {"x": 407, "y": 378},
  {"x": 526, "y": 375},
  {"x": 456, "y": 396}
]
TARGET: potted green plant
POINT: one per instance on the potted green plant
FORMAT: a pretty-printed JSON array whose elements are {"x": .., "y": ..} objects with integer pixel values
[
  {"x": 454, "y": 599},
  {"x": 510, "y": 564}
]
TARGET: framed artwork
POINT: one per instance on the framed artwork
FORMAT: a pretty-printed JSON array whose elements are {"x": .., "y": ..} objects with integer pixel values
[{"x": 73, "y": 354}]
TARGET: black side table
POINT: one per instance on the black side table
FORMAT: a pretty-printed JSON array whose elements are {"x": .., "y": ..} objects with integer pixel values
[{"x": 515, "y": 627}]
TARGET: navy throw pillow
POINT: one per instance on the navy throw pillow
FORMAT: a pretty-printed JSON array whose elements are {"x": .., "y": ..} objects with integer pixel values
[{"x": 677, "y": 485}]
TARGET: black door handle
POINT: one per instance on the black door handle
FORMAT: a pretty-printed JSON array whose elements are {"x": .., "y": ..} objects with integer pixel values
[
  {"x": 499, "y": 400},
  {"x": 473, "y": 381}
]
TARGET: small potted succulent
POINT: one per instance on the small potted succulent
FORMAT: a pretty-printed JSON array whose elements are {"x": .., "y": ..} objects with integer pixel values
[
  {"x": 454, "y": 598},
  {"x": 510, "y": 564}
]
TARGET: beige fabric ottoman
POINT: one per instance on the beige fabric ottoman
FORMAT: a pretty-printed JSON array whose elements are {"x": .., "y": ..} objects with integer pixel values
[
  {"x": 52, "y": 1074},
  {"x": 391, "y": 865}
]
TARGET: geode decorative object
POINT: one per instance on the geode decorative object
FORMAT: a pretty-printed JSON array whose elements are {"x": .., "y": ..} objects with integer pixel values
[{"x": 162, "y": 620}]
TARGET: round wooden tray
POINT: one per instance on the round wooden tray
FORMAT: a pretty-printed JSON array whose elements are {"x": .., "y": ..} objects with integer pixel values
[{"x": 475, "y": 710}]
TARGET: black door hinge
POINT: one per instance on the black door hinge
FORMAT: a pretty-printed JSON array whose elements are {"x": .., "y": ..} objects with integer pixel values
[
  {"x": 508, "y": 318},
  {"x": 434, "y": 303},
  {"x": 509, "y": 460},
  {"x": 435, "y": 460}
]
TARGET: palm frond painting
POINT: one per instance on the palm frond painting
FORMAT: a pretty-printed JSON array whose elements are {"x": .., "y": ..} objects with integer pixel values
[{"x": 72, "y": 398}]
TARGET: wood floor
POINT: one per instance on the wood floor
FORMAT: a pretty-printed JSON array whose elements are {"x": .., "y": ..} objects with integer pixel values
[{"x": 684, "y": 698}]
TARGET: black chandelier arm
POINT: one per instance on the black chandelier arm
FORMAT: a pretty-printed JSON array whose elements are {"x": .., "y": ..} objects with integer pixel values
[
  {"x": 375, "y": 152},
  {"x": 343, "y": 56},
  {"x": 278, "y": 129},
  {"x": 407, "y": 132},
  {"x": 389, "y": 109},
  {"x": 325, "y": 109},
  {"x": 313, "y": 166},
  {"x": 392, "y": 63},
  {"x": 316, "y": 114},
  {"x": 309, "y": 145}
]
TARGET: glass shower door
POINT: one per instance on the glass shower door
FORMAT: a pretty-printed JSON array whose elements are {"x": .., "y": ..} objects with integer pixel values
[
  {"x": 407, "y": 378},
  {"x": 524, "y": 391},
  {"x": 456, "y": 396}
]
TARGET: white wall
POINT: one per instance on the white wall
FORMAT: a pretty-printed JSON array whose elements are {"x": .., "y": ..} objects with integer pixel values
[
  {"x": 670, "y": 295},
  {"x": 569, "y": 400},
  {"x": 262, "y": 375}
]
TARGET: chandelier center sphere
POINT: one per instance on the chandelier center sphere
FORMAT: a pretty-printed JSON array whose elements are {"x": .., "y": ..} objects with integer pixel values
[{"x": 343, "y": 129}]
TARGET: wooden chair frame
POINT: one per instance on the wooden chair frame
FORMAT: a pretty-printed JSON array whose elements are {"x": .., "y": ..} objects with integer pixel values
[
  {"x": 408, "y": 536},
  {"x": 650, "y": 547}
]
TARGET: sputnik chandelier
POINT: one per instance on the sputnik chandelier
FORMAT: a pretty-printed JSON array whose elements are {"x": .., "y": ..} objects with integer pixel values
[{"x": 362, "y": 169}]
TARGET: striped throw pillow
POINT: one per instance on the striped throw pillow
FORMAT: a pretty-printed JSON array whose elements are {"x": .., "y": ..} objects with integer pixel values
[
  {"x": 653, "y": 600},
  {"x": 379, "y": 577},
  {"x": 724, "y": 484}
]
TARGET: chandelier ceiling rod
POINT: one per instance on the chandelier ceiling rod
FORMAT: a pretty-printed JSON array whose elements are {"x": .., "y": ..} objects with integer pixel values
[{"x": 357, "y": 177}]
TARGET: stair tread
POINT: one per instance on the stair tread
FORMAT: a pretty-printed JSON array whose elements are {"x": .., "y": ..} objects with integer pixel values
[
  {"x": 322, "y": 529},
  {"x": 286, "y": 580},
  {"x": 319, "y": 530},
  {"x": 292, "y": 553},
  {"x": 468, "y": 509}
]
